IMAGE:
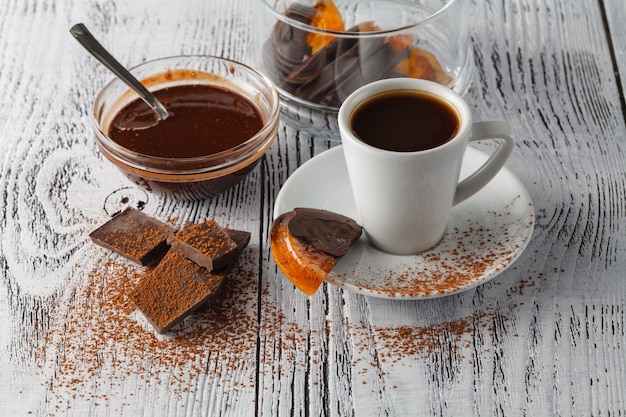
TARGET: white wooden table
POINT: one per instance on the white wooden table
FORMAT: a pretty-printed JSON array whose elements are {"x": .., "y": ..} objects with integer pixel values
[{"x": 546, "y": 337}]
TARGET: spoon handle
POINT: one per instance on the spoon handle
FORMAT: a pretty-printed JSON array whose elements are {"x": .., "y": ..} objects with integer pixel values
[{"x": 91, "y": 44}]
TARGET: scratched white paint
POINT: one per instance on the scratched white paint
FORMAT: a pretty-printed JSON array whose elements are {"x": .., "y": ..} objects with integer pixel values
[{"x": 547, "y": 337}]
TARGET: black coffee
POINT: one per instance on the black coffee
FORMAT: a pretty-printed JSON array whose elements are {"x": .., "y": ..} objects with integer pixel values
[{"x": 405, "y": 121}]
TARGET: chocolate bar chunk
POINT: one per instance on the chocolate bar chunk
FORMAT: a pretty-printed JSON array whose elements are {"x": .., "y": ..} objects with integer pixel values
[
  {"x": 135, "y": 236},
  {"x": 178, "y": 286},
  {"x": 241, "y": 238},
  {"x": 175, "y": 288},
  {"x": 207, "y": 244}
]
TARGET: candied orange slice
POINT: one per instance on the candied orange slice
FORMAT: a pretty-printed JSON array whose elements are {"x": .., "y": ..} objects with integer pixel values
[
  {"x": 307, "y": 243},
  {"x": 304, "y": 267},
  {"x": 421, "y": 64},
  {"x": 400, "y": 42},
  {"x": 327, "y": 18}
]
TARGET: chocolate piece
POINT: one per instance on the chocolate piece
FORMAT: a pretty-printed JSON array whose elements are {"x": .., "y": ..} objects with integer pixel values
[
  {"x": 288, "y": 47},
  {"x": 175, "y": 288},
  {"x": 312, "y": 68},
  {"x": 135, "y": 236},
  {"x": 325, "y": 231},
  {"x": 342, "y": 66},
  {"x": 346, "y": 63},
  {"x": 240, "y": 237},
  {"x": 375, "y": 60},
  {"x": 207, "y": 244},
  {"x": 178, "y": 286},
  {"x": 308, "y": 70}
]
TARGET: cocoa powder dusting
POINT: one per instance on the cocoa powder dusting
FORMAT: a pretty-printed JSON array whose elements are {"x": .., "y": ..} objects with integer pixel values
[
  {"x": 175, "y": 288},
  {"x": 467, "y": 256},
  {"x": 447, "y": 340},
  {"x": 100, "y": 333},
  {"x": 207, "y": 244},
  {"x": 134, "y": 235}
]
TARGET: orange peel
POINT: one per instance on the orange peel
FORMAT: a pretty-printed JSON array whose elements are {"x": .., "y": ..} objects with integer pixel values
[
  {"x": 307, "y": 243},
  {"x": 421, "y": 64},
  {"x": 305, "y": 268},
  {"x": 327, "y": 17}
]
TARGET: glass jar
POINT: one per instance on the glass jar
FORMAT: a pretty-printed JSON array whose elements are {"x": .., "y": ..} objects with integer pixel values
[
  {"x": 189, "y": 177},
  {"x": 317, "y": 56}
]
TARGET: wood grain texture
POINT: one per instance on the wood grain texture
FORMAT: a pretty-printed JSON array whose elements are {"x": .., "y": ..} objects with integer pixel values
[
  {"x": 546, "y": 337},
  {"x": 615, "y": 13}
]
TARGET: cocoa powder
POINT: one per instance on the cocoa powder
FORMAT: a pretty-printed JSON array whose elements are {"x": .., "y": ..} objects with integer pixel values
[
  {"x": 99, "y": 336},
  {"x": 206, "y": 243},
  {"x": 134, "y": 235},
  {"x": 174, "y": 289}
]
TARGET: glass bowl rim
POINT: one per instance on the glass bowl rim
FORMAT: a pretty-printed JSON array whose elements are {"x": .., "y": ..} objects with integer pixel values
[
  {"x": 232, "y": 156},
  {"x": 355, "y": 34}
]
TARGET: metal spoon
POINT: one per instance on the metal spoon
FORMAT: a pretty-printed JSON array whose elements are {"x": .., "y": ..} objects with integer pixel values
[{"x": 91, "y": 44}]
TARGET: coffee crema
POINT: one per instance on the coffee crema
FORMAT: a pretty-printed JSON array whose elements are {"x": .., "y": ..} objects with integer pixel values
[
  {"x": 204, "y": 120},
  {"x": 405, "y": 121}
]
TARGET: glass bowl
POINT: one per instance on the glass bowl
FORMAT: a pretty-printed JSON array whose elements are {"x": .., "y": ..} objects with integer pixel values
[
  {"x": 318, "y": 51},
  {"x": 189, "y": 177}
]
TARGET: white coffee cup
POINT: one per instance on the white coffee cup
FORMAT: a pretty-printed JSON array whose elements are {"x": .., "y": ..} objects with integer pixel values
[{"x": 404, "y": 198}]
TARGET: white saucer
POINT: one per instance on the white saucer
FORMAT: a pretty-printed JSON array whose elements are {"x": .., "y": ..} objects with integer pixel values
[{"x": 485, "y": 234}]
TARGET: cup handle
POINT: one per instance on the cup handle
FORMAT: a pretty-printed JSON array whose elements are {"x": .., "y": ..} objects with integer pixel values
[{"x": 493, "y": 129}]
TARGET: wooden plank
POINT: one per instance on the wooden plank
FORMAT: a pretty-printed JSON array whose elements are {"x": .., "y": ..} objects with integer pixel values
[
  {"x": 615, "y": 15},
  {"x": 72, "y": 343},
  {"x": 525, "y": 342},
  {"x": 544, "y": 338}
]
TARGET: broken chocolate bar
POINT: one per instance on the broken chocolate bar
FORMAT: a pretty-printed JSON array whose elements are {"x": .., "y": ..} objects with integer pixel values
[
  {"x": 135, "y": 236},
  {"x": 207, "y": 244},
  {"x": 241, "y": 238},
  {"x": 174, "y": 289},
  {"x": 178, "y": 286}
]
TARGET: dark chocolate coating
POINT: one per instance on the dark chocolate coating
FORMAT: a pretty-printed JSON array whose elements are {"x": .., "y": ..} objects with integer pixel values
[
  {"x": 342, "y": 66},
  {"x": 178, "y": 286},
  {"x": 288, "y": 47},
  {"x": 207, "y": 244},
  {"x": 135, "y": 236},
  {"x": 324, "y": 230}
]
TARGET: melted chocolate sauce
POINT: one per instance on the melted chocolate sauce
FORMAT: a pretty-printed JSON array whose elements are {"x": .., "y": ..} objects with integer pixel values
[{"x": 204, "y": 120}]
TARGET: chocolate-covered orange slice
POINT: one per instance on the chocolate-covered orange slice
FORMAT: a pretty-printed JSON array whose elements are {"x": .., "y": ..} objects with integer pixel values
[{"x": 307, "y": 243}]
